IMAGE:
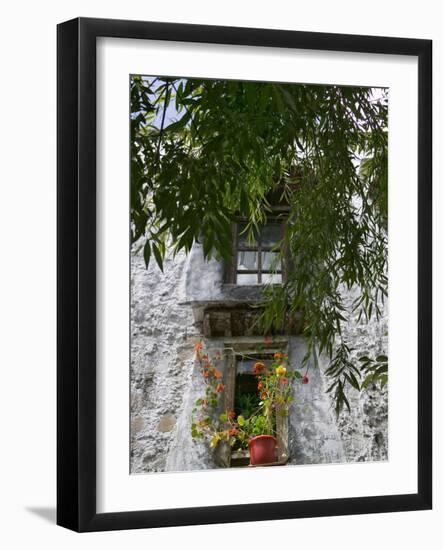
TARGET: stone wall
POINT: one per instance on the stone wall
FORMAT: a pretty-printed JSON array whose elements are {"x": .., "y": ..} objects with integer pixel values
[
  {"x": 165, "y": 381},
  {"x": 364, "y": 431},
  {"x": 162, "y": 340}
]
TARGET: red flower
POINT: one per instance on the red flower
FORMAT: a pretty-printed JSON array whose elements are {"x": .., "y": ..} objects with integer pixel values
[
  {"x": 259, "y": 385},
  {"x": 283, "y": 380},
  {"x": 219, "y": 388},
  {"x": 233, "y": 431},
  {"x": 198, "y": 347},
  {"x": 305, "y": 379}
]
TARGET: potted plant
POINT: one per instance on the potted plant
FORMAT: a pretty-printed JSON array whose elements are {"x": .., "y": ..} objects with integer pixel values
[
  {"x": 261, "y": 440},
  {"x": 274, "y": 386},
  {"x": 257, "y": 430}
]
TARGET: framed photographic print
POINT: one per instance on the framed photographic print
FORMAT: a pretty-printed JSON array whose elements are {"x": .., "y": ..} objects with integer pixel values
[{"x": 244, "y": 274}]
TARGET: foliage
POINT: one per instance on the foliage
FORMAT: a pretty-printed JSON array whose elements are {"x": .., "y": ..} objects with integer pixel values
[
  {"x": 344, "y": 372},
  {"x": 246, "y": 403},
  {"x": 204, "y": 422},
  {"x": 375, "y": 371},
  {"x": 204, "y": 152}
]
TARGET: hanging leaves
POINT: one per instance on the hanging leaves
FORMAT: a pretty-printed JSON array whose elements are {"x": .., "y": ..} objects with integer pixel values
[{"x": 204, "y": 152}]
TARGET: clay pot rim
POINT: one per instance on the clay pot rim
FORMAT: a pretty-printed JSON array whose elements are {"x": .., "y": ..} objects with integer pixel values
[{"x": 263, "y": 436}]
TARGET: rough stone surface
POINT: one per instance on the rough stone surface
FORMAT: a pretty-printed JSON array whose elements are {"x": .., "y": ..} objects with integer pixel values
[
  {"x": 165, "y": 381},
  {"x": 364, "y": 431},
  {"x": 162, "y": 340},
  {"x": 313, "y": 434}
]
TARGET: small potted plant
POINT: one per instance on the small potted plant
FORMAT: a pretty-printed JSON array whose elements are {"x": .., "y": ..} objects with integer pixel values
[{"x": 274, "y": 386}]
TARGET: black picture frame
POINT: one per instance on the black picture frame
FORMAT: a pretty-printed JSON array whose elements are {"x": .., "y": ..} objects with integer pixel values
[{"x": 76, "y": 265}]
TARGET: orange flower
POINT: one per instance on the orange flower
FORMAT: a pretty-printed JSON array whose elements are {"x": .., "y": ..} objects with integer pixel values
[
  {"x": 278, "y": 355},
  {"x": 258, "y": 367},
  {"x": 259, "y": 385},
  {"x": 198, "y": 347},
  {"x": 206, "y": 374},
  {"x": 263, "y": 396},
  {"x": 233, "y": 431},
  {"x": 283, "y": 380},
  {"x": 231, "y": 414},
  {"x": 219, "y": 388},
  {"x": 217, "y": 373}
]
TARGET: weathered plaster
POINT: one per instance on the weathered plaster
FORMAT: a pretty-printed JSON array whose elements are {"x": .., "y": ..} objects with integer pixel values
[
  {"x": 162, "y": 339},
  {"x": 364, "y": 431}
]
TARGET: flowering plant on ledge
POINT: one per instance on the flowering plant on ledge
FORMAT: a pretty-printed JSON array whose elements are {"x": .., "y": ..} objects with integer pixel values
[{"x": 274, "y": 387}]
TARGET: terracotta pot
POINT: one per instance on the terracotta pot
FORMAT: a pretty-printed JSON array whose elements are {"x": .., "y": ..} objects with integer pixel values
[{"x": 262, "y": 449}]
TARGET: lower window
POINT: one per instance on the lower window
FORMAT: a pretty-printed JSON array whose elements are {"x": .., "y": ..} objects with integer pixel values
[{"x": 242, "y": 395}]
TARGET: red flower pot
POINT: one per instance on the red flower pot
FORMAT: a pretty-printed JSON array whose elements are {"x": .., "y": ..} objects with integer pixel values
[{"x": 262, "y": 449}]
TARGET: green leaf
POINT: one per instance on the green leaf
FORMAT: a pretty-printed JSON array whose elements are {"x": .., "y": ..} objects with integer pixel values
[
  {"x": 368, "y": 380},
  {"x": 381, "y": 370},
  {"x": 158, "y": 256},
  {"x": 147, "y": 253},
  {"x": 353, "y": 380},
  {"x": 346, "y": 402},
  {"x": 179, "y": 124}
]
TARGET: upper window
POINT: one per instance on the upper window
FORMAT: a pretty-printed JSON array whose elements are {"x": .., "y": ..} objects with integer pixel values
[{"x": 257, "y": 261}]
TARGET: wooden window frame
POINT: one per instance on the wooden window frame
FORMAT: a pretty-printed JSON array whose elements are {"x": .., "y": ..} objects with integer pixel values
[{"x": 232, "y": 268}]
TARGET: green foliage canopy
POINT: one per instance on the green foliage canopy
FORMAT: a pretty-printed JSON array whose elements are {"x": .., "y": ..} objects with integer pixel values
[{"x": 204, "y": 152}]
